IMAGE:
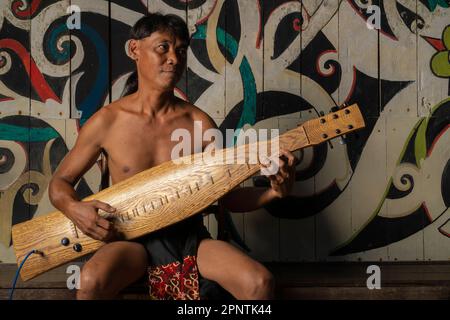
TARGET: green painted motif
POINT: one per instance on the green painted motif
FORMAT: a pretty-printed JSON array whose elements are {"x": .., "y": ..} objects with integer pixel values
[
  {"x": 440, "y": 62},
  {"x": 24, "y": 134},
  {"x": 229, "y": 43},
  {"x": 432, "y": 4}
]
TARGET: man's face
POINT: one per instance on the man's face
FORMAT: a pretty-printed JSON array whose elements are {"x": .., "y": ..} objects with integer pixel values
[{"x": 160, "y": 59}]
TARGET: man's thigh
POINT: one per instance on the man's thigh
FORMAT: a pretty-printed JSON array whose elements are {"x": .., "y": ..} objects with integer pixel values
[
  {"x": 119, "y": 263},
  {"x": 227, "y": 265}
]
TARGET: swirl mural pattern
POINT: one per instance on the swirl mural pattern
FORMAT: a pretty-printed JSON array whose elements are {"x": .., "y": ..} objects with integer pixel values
[{"x": 381, "y": 193}]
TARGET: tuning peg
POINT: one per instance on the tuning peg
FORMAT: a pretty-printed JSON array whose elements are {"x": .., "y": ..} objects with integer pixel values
[
  {"x": 334, "y": 109},
  {"x": 344, "y": 105}
]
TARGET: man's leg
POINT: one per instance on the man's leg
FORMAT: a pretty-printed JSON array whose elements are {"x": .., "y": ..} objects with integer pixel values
[
  {"x": 112, "y": 268},
  {"x": 236, "y": 272}
]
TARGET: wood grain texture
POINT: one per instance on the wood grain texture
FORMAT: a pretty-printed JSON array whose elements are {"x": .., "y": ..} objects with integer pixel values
[{"x": 164, "y": 195}]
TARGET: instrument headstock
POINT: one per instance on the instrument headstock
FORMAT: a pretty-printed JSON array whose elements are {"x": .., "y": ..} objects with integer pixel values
[{"x": 334, "y": 124}]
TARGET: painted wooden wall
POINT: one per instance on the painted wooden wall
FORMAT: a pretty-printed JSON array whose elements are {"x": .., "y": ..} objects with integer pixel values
[{"x": 384, "y": 195}]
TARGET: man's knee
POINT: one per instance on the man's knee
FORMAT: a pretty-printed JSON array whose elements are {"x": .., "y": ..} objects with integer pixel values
[
  {"x": 261, "y": 285},
  {"x": 92, "y": 283}
]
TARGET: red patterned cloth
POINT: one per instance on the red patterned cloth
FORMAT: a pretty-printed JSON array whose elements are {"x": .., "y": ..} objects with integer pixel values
[{"x": 177, "y": 281}]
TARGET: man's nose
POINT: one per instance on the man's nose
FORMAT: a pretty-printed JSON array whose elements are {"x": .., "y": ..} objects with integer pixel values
[{"x": 172, "y": 57}]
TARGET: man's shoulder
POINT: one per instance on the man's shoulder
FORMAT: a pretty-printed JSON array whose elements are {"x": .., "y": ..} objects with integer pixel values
[
  {"x": 199, "y": 115},
  {"x": 103, "y": 117}
]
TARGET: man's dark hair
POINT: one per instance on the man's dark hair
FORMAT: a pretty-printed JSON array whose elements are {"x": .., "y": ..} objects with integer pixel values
[
  {"x": 153, "y": 22},
  {"x": 144, "y": 27}
]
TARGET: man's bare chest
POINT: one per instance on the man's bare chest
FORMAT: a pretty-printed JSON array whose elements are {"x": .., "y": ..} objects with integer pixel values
[{"x": 138, "y": 147}]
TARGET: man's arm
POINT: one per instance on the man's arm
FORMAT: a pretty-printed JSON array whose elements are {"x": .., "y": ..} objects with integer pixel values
[
  {"x": 246, "y": 199},
  {"x": 251, "y": 198},
  {"x": 61, "y": 189}
]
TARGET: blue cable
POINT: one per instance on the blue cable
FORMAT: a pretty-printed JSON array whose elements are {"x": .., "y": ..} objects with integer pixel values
[{"x": 18, "y": 271}]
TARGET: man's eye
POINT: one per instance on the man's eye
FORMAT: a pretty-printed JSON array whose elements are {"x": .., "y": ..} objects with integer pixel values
[{"x": 163, "y": 47}]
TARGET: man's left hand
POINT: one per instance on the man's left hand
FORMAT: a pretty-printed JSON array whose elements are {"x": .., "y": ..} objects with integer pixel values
[{"x": 283, "y": 181}]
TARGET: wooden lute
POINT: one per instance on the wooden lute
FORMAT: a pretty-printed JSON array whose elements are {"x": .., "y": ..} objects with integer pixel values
[{"x": 163, "y": 195}]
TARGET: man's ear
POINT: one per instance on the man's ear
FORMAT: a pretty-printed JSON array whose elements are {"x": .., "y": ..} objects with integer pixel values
[{"x": 133, "y": 49}]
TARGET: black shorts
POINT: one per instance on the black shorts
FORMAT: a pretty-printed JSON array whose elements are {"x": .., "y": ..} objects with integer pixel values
[{"x": 173, "y": 271}]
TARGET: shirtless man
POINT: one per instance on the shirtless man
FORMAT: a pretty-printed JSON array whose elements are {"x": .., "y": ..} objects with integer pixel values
[{"x": 135, "y": 133}]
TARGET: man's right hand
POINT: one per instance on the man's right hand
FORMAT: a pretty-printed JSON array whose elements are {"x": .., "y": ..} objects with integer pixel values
[{"x": 85, "y": 216}]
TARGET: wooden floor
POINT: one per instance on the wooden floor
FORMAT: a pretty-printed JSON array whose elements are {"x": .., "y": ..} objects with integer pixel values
[{"x": 312, "y": 281}]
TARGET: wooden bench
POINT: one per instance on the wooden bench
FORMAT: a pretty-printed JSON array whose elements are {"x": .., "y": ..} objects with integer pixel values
[{"x": 312, "y": 281}]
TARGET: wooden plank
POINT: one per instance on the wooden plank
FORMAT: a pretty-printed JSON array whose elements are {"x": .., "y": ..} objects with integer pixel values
[
  {"x": 406, "y": 177},
  {"x": 398, "y": 64},
  {"x": 297, "y": 236},
  {"x": 398, "y": 60},
  {"x": 15, "y": 151},
  {"x": 90, "y": 65},
  {"x": 436, "y": 236},
  {"x": 39, "y": 294},
  {"x": 432, "y": 90},
  {"x": 205, "y": 78},
  {"x": 282, "y": 75},
  {"x": 431, "y": 87},
  {"x": 333, "y": 223},
  {"x": 288, "y": 274},
  {"x": 335, "y": 274},
  {"x": 359, "y": 83},
  {"x": 56, "y": 278},
  {"x": 368, "y": 186},
  {"x": 344, "y": 293},
  {"x": 124, "y": 15},
  {"x": 48, "y": 165},
  {"x": 331, "y": 280},
  {"x": 15, "y": 85},
  {"x": 284, "y": 293},
  {"x": 50, "y": 51},
  {"x": 15, "y": 95}
]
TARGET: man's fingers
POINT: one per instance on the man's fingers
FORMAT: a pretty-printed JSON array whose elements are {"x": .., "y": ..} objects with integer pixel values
[
  {"x": 276, "y": 178},
  {"x": 281, "y": 163},
  {"x": 92, "y": 233},
  {"x": 284, "y": 171},
  {"x": 291, "y": 158},
  {"x": 269, "y": 166},
  {"x": 103, "y": 223},
  {"x": 99, "y": 233},
  {"x": 104, "y": 206},
  {"x": 280, "y": 178},
  {"x": 102, "y": 233},
  {"x": 97, "y": 228}
]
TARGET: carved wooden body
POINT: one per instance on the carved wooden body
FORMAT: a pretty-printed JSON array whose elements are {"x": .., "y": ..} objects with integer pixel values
[{"x": 163, "y": 195}]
